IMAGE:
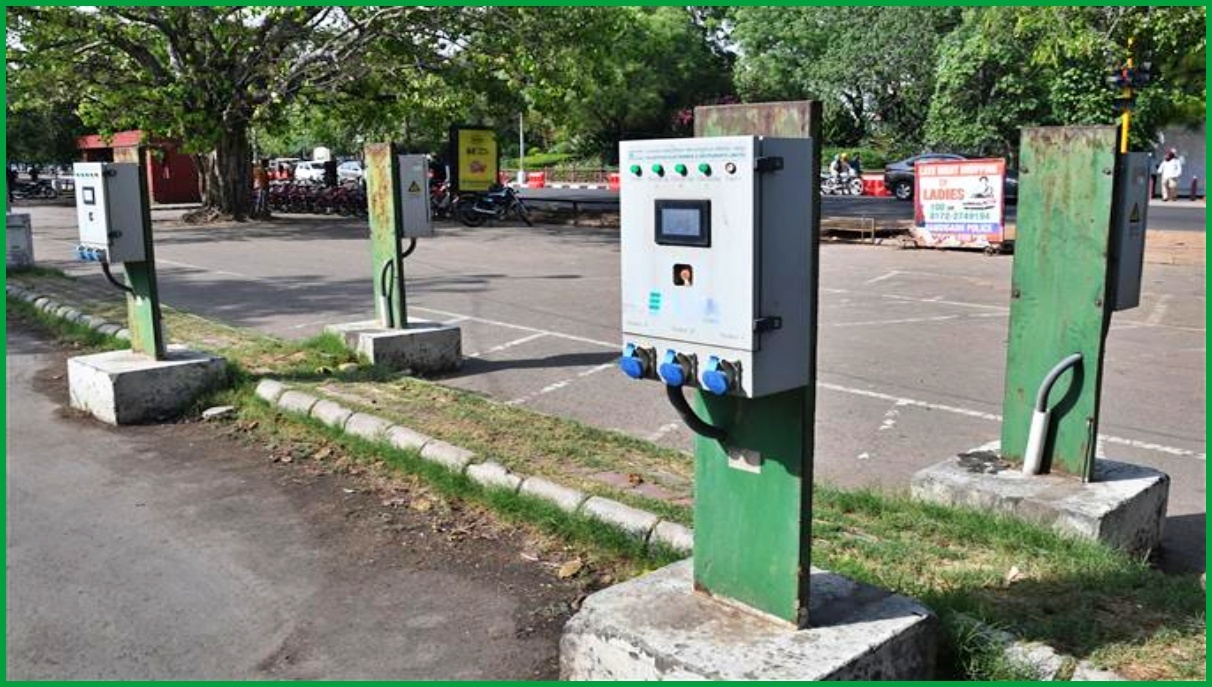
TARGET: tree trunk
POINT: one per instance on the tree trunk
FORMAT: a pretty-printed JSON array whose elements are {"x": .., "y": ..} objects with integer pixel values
[{"x": 225, "y": 175}]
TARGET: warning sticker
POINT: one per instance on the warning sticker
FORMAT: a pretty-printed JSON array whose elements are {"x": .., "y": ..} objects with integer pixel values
[
  {"x": 1134, "y": 216},
  {"x": 414, "y": 187}
]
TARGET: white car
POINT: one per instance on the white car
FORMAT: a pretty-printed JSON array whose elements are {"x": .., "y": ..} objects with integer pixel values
[
  {"x": 349, "y": 171},
  {"x": 309, "y": 170}
]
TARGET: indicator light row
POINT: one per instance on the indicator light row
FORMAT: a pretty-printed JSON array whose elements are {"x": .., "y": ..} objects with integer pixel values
[{"x": 681, "y": 170}]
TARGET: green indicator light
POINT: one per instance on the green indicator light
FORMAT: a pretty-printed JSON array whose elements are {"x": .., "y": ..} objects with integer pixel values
[
  {"x": 637, "y": 170},
  {"x": 658, "y": 170},
  {"x": 705, "y": 169},
  {"x": 680, "y": 169}
]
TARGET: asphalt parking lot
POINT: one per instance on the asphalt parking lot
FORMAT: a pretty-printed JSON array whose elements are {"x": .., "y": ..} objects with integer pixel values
[{"x": 912, "y": 343}]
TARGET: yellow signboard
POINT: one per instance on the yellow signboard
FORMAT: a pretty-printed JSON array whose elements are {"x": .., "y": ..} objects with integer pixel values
[{"x": 476, "y": 160}]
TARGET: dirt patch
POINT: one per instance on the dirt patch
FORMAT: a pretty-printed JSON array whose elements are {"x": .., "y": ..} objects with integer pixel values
[{"x": 374, "y": 520}]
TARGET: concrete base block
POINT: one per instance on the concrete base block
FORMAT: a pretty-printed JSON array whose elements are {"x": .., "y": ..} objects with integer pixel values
[
  {"x": 1124, "y": 507},
  {"x": 123, "y": 387},
  {"x": 425, "y": 347},
  {"x": 656, "y": 628}
]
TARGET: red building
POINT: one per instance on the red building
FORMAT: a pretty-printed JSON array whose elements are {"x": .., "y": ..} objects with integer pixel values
[{"x": 171, "y": 174}]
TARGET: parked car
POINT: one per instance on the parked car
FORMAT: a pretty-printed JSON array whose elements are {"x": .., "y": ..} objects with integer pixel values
[
  {"x": 899, "y": 176},
  {"x": 309, "y": 170},
  {"x": 350, "y": 170}
]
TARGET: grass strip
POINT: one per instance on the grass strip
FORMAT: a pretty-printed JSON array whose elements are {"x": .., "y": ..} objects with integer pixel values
[{"x": 1078, "y": 596}]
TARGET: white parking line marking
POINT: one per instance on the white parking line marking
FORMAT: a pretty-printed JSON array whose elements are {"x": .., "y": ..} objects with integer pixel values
[
  {"x": 507, "y": 345},
  {"x": 663, "y": 431},
  {"x": 941, "y": 301},
  {"x": 994, "y": 417},
  {"x": 556, "y": 386},
  {"x": 1159, "y": 310},
  {"x": 882, "y": 277},
  {"x": 914, "y": 320},
  {"x": 519, "y": 327}
]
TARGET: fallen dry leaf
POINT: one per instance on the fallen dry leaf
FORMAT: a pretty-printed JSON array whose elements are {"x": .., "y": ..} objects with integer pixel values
[
  {"x": 570, "y": 568},
  {"x": 421, "y": 505},
  {"x": 1012, "y": 575},
  {"x": 635, "y": 479}
]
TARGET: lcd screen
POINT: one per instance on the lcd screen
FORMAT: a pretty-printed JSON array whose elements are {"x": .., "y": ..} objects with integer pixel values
[
  {"x": 683, "y": 222},
  {"x": 88, "y": 196}
]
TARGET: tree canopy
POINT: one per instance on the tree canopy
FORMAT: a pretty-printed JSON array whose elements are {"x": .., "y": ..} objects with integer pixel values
[{"x": 224, "y": 80}]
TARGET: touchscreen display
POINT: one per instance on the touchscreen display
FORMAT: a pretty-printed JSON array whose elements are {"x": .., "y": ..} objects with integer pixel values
[{"x": 683, "y": 223}]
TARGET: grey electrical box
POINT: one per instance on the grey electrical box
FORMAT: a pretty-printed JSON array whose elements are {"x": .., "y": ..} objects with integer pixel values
[
  {"x": 716, "y": 262},
  {"x": 109, "y": 210},
  {"x": 1129, "y": 217},
  {"x": 415, "y": 220}
]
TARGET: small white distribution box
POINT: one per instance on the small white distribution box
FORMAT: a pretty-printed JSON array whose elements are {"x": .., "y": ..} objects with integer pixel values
[
  {"x": 19, "y": 238},
  {"x": 109, "y": 209}
]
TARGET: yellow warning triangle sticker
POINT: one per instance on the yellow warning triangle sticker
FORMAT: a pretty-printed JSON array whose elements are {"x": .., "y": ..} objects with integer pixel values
[
  {"x": 414, "y": 187},
  {"x": 1134, "y": 216}
]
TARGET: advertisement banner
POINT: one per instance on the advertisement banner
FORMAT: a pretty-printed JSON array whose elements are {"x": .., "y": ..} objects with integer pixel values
[
  {"x": 960, "y": 203},
  {"x": 476, "y": 158}
]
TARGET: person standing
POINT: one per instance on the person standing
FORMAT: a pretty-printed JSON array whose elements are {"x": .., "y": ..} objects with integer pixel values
[
  {"x": 260, "y": 180},
  {"x": 1170, "y": 170}
]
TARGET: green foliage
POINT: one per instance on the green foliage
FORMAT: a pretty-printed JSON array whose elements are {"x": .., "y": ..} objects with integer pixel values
[
  {"x": 983, "y": 93},
  {"x": 872, "y": 66},
  {"x": 1005, "y": 68},
  {"x": 43, "y": 133},
  {"x": 637, "y": 77}
]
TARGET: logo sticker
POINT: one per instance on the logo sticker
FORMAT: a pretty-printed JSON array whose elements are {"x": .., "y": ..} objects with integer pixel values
[{"x": 654, "y": 302}]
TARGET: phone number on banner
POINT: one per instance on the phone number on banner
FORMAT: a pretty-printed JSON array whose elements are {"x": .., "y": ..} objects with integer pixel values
[{"x": 964, "y": 227}]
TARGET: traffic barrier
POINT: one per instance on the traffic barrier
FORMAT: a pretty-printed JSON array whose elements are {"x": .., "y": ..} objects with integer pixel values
[
  {"x": 874, "y": 186},
  {"x": 612, "y": 181},
  {"x": 536, "y": 179}
]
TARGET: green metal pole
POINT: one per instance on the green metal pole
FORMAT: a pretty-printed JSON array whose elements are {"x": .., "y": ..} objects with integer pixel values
[
  {"x": 143, "y": 300},
  {"x": 387, "y": 264},
  {"x": 1059, "y": 297},
  {"x": 753, "y": 528}
]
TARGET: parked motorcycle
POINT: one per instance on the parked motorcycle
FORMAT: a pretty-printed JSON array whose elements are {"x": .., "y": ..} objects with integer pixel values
[
  {"x": 41, "y": 189},
  {"x": 848, "y": 185},
  {"x": 441, "y": 200},
  {"x": 498, "y": 204}
]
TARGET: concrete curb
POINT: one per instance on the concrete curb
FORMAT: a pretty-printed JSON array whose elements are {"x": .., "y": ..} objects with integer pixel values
[
  {"x": 1047, "y": 662},
  {"x": 67, "y": 313},
  {"x": 1042, "y": 661},
  {"x": 486, "y": 472}
]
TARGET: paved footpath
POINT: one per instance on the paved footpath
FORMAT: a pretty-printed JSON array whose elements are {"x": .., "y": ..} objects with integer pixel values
[{"x": 171, "y": 552}]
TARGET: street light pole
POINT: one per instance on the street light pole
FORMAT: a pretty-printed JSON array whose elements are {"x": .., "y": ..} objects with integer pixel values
[
  {"x": 1127, "y": 95},
  {"x": 521, "y": 150}
]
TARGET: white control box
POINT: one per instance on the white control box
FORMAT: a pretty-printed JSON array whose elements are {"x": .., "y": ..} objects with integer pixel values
[
  {"x": 717, "y": 262},
  {"x": 413, "y": 192},
  {"x": 109, "y": 209}
]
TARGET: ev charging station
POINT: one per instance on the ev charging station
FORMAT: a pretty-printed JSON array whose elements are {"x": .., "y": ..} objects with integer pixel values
[
  {"x": 397, "y": 194},
  {"x": 152, "y": 380},
  {"x": 1078, "y": 259},
  {"x": 718, "y": 293},
  {"x": 719, "y": 243}
]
